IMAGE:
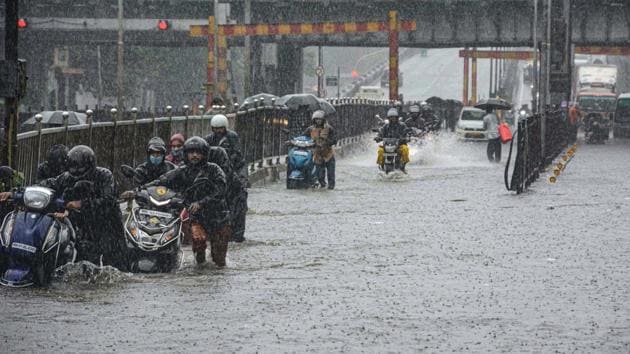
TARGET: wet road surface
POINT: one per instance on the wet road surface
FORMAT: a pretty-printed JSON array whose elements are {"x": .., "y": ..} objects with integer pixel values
[{"x": 442, "y": 260}]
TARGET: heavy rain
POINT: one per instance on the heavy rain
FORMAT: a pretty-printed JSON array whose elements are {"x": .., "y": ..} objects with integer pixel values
[{"x": 314, "y": 176}]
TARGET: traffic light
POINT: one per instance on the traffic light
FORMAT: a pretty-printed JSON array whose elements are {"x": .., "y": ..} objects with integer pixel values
[
  {"x": 22, "y": 23},
  {"x": 163, "y": 25}
]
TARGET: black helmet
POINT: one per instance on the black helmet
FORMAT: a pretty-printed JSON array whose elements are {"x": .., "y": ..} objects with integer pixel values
[
  {"x": 81, "y": 161},
  {"x": 196, "y": 144},
  {"x": 58, "y": 155},
  {"x": 156, "y": 144}
]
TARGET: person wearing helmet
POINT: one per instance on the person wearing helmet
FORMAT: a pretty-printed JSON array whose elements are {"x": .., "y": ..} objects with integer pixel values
[
  {"x": 394, "y": 129},
  {"x": 238, "y": 206},
  {"x": 432, "y": 122},
  {"x": 324, "y": 155},
  {"x": 55, "y": 163},
  {"x": 91, "y": 192},
  {"x": 229, "y": 140},
  {"x": 155, "y": 165},
  {"x": 203, "y": 185},
  {"x": 415, "y": 120},
  {"x": 176, "y": 156}
]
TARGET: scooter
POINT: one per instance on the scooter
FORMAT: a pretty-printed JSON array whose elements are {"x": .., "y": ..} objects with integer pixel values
[
  {"x": 300, "y": 163},
  {"x": 153, "y": 228},
  {"x": 594, "y": 132},
  {"x": 32, "y": 242},
  {"x": 391, "y": 157}
]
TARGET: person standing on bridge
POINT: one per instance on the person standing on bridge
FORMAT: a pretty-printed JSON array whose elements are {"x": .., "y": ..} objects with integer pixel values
[
  {"x": 324, "y": 155},
  {"x": 491, "y": 124},
  {"x": 229, "y": 140}
]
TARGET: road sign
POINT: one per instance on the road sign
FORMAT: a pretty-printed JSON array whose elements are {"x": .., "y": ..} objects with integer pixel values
[
  {"x": 331, "y": 81},
  {"x": 319, "y": 71}
]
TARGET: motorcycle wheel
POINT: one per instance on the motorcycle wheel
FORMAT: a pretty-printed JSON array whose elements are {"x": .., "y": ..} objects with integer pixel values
[
  {"x": 42, "y": 271},
  {"x": 388, "y": 168},
  {"x": 292, "y": 184}
]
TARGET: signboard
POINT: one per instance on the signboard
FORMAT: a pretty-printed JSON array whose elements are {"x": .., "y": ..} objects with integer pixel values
[{"x": 331, "y": 81}]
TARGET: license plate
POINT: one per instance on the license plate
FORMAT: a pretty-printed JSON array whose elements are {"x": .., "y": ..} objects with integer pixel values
[
  {"x": 301, "y": 153},
  {"x": 159, "y": 214},
  {"x": 474, "y": 135}
]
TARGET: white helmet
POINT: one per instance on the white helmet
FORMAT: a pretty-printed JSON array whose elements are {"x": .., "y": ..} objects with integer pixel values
[
  {"x": 414, "y": 108},
  {"x": 219, "y": 121},
  {"x": 393, "y": 112},
  {"x": 319, "y": 114}
]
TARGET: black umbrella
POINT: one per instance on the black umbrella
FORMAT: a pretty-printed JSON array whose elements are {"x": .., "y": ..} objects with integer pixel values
[
  {"x": 298, "y": 100},
  {"x": 494, "y": 103},
  {"x": 326, "y": 107},
  {"x": 267, "y": 98},
  {"x": 56, "y": 118}
]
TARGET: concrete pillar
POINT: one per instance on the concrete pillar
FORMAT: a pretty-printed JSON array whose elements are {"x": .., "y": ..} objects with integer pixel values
[{"x": 290, "y": 69}]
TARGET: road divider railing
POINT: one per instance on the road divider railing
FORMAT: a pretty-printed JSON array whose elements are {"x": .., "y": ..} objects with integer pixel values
[
  {"x": 263, "y": 132},
  {"x": 531, "y": 160}
]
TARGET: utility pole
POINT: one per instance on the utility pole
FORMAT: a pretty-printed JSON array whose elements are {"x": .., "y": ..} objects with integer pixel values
[
  {"x": 535, "y": 70},
  {"x": 320, "y": 75},
  {"x": 120, "y": 63},
  {"x": 8, "y": 157},
  {"x": 247, "y": 85}
]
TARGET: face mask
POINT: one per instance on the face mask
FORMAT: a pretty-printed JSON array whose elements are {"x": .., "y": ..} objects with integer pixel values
[
  {"x": 156, "y": 160},
  {"x": 177, "y": 152}
]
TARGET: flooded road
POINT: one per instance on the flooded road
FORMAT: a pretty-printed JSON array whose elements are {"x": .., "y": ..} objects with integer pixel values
[{"x": 441, "y": 260}]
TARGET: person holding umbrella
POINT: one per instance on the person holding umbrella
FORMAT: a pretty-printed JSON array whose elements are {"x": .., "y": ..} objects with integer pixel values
[{"x": 491, "y": 122}]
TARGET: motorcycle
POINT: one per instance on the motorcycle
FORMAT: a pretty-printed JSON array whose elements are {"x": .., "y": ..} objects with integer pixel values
[
  {"x": 32, "y": 242},
  {"x": 300, "y": 163},
  {"x": 153, "y": 228},
  {"x": 391, "y": 155},
  {"x": 594, "y": 130}
]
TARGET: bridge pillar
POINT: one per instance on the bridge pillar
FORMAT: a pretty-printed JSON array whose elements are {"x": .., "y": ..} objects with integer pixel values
[
  {"x": 558, "y": 61},
  {"x": 290, "y": 68}
]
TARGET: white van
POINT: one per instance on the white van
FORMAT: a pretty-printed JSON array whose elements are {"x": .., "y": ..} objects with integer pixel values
[
  {"x": 470, "y": 124},
  {"x": 371, "y": 93}
]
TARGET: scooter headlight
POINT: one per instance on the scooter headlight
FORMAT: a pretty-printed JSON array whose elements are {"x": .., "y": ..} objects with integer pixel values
[
  {"x": 134, "y": 230},
  {"x": 169, "y": 235},
  {"x": 37, "y": 198}
]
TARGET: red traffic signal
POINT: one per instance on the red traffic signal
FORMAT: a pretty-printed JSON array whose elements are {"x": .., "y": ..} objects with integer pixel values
[
  {"x": 163, "y": 25},
  {"x": 22, "y": 23}
]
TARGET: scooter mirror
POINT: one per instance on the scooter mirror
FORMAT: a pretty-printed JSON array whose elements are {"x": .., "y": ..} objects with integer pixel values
[{"x": 375, "y": 130}]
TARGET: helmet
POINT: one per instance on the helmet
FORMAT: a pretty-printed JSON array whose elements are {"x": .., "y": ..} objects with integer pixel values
[
  {"x": 156, "y": 144},
  {"x": 81, "y": 161},
  {"x": 414, "y": 108},
  {"x": 58, "y": 154},
  {"x": 219, "y": 121},
  {"x": 196, "y": 144},
  {"x": 393, "y": 112},
  {"x": 319, "y": 114}
]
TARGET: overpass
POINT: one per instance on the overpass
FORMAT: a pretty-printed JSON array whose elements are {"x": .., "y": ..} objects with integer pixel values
[{"x": 446, "y": 23}]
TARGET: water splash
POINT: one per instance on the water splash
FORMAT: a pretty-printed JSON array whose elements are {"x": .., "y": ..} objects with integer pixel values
[{"x": 85, "y": 272}]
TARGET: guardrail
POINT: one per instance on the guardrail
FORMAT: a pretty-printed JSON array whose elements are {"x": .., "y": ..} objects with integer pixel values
[
  {"x": 530, "y": 162},
  {"x": 124, "y": 142}
]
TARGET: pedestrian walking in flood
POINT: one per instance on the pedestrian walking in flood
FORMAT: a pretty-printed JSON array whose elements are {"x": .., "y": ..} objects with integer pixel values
[{"x": 491, "y": 123}]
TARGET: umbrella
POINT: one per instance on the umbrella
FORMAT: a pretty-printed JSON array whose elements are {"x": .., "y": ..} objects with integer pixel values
[
  {"x": 56, "y": 118},
  {"x": 299, "y": 100},
  {"x": 326, "y": 107},
  {"x": 266, "y": 97},
  {"x": 494, "y": 103}
]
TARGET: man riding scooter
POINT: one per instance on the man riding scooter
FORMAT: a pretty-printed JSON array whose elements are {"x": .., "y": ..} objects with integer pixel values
[{"x": 396, "y": 130}]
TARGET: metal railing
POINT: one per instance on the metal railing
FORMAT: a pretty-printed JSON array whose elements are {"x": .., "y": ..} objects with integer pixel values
[
  {"x": 262, "y": 131},
  {"x": 530, "y": 162}
]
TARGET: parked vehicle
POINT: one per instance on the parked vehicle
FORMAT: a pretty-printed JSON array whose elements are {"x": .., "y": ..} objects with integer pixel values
[
  {"x": 470, "y": 124},
  {"x": 153, "y": 229},
  {"x": 33, "y": 243},
  {"x": 300, "y": 162},
  {"x": 621, "y": 123}
]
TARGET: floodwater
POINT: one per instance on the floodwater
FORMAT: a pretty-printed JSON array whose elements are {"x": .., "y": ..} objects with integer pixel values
[{"x": 441, "y": 260}]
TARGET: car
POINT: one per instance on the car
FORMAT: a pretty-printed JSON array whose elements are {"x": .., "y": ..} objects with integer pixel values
[{"x": 470, "y": 124}]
